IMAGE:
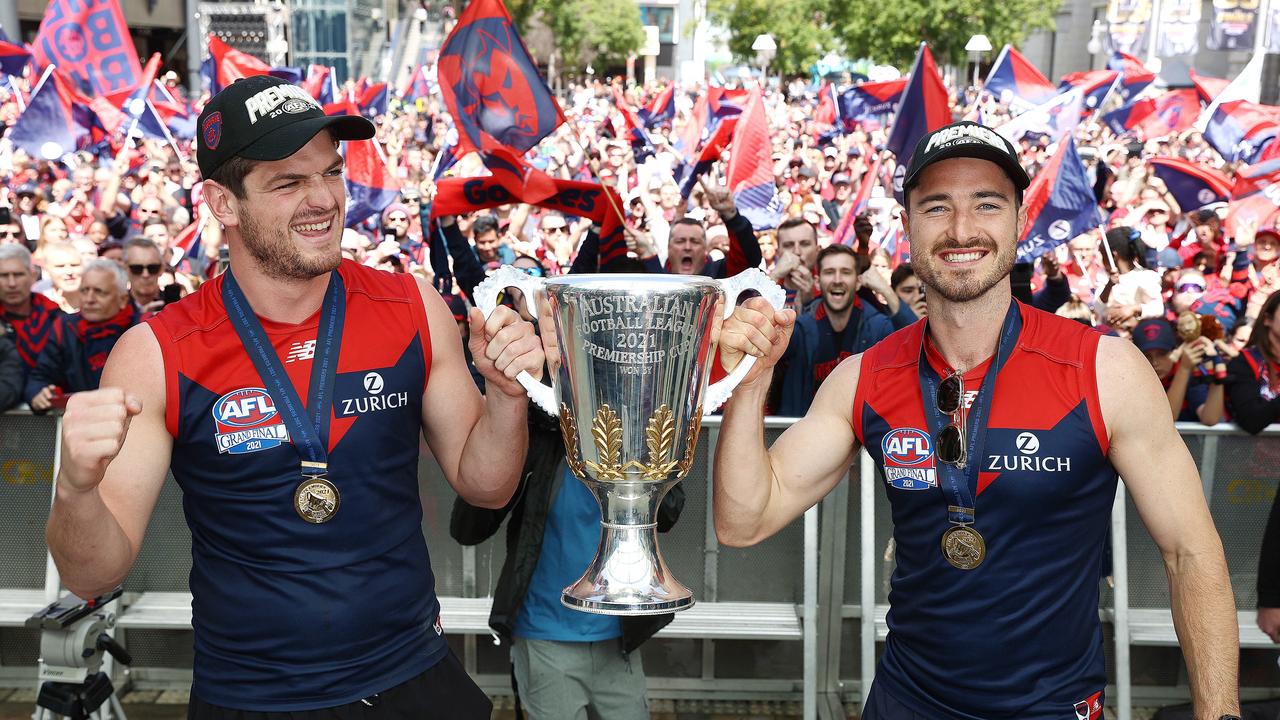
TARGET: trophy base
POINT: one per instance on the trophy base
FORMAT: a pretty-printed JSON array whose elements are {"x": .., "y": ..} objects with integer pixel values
[{"x": 628, "y": 576}]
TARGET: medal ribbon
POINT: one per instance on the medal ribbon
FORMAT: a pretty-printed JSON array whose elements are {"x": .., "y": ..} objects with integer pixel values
[
  {"x": 310, "y": 434},
  {"x": 962, "y": 483}
]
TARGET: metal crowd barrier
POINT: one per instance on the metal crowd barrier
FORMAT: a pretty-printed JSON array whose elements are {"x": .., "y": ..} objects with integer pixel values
[{"x": 782, "y": 621}]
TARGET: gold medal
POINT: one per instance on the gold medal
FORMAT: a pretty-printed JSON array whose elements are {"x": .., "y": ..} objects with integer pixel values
[
  {"x": 316, "y": 499},
  {"x": 963, "y": 547}
]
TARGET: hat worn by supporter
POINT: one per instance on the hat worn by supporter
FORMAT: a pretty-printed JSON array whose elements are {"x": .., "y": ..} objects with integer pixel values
[
  {"x": 831, "y": 152},
  {"x": 1154, "y": 334},
  {"x": 806, "y": 172},
  {"x": 266, "y": 118},
  {"x": 966, "y": 139},
  {"x": 840, "y": 179}
]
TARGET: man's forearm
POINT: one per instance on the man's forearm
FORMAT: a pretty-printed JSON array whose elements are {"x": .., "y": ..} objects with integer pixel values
[
  {"x": 1205, "y": 619},
  {"x": 91, "y": 550},
  {"x": 490, "y": 476},
  {"x": 743, "y": 474}
]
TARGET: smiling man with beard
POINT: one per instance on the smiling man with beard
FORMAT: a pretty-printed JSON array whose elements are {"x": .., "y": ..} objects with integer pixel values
[
  {"x": 313, "y": 594},
  {"x": 998, "y": 437}
]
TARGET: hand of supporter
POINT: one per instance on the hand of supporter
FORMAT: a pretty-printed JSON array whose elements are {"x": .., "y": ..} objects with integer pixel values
[
  {"x": 783, "y": 264},
  {"x": 93, "y": 429},
  {"x": 720, "y": 200},
  {"x": 862, "y": 229},
  {"x": 1117, "y": 314},
  {"x": 640, "y": 242},
  {"x": 1226, "y": 350},
  {"x": 1246, "y": 231},
  {"x": 1194, "y": 353},
  {"x": 502, "y": 346},
  {"x": 1049, "y": 266},
  {"x": 44, "y": 399},
  {"x": 1269, "y": 622},
  {"x": 756, "y": 329},
  {"x": 800, "y": 278},
  {"x": 873, "y": 279}
]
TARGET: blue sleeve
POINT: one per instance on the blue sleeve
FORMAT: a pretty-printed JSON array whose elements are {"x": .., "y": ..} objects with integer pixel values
[
  {"x": 466, "y": 265},
  {"x": 588, "y": 258},
  {"x": 904, "y": 317},
  {"x": 10, "y": 374},
  {"x": 1055, "y": 293},
  {"x": 50, "y": 366}
]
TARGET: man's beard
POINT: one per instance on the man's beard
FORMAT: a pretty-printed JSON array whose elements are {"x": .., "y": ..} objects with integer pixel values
[
  {"x": 970, "y": 285},
  {"x": 279, "y": 257}
]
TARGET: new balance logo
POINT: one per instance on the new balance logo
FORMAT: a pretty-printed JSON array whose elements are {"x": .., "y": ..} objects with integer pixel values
[{"x": 301, "y": 351}]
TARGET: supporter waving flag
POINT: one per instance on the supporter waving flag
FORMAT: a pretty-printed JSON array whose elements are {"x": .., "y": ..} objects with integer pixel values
[
  {"x": 1060, "y": 204},
  {"x": 490, "y": 84},
  {"x": 924, "y": 108},
  {"x": 1014, "y": 80},
  {"x": 1193, "y": 185},
  {"x": 750, "y": 173}
]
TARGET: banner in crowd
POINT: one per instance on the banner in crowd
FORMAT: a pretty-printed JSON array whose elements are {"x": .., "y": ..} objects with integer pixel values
[
  {"x": 924, "y": 108},
  {"x": 1060, "y": 204},
  {"x": 1256, "y": 195},
  {"x": 1134, "y": 76},
  {"x": 1234, "y": 25},
  {"x": 1156, "y": 117},
  {"x": 13, "y": 58},
  {"x": 490, "y": 84},
  {"x": 1056, "y": 118},
  {"x": 1179, "y": 24},
  {"x": 89, "y": 42},
  {"x": 869, "y": 100},
  {"x": 661, "y": 109},
  {"x": 711, "y": 152},
  {"x": 1240, "y": 130},
  {"x": 1128, "y": 20},
  {"x": 371, "y": 186},
  {"x": 1094, "y": 85},
  {"x": 226, "y": 65}
]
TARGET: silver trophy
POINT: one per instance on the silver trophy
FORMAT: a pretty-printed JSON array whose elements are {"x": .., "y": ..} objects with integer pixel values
[{"x": 629, "y": 375}]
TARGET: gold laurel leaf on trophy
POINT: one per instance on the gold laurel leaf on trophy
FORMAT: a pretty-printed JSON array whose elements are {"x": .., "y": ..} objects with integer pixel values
[
  {"x": 569, "y": 433},
  {"x": 606, "y": 430},
  {"x": 660, "y": 435},
  {"x": 691, "y": 442}
]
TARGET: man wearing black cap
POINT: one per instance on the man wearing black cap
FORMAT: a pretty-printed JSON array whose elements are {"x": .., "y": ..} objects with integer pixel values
[
  {"x": 289, "y": 397},
  {"x": 998, "y": 440}
]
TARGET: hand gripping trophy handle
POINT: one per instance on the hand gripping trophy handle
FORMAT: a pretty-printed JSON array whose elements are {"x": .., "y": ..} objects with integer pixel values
[
  {"x": 486, "y": 297},
  {"x": 488, "y": 291}
]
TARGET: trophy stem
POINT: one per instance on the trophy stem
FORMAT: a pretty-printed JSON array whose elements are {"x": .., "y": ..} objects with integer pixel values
[{"x": 628, "y": 575}]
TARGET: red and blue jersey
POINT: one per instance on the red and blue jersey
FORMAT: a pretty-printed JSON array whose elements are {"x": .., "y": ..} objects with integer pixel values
[
  {"x": 1018, "y": 636},
  {"x": 31, "y": 332},
  {"x": 290, "y": 615}
]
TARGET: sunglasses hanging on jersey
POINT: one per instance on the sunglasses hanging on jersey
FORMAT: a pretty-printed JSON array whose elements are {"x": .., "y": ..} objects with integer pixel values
[{"x": 950, "y": 439}]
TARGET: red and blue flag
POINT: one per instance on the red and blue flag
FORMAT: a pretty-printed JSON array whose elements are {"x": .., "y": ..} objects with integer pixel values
[
  {"x": 869, "y": 100},
  {"x": 419, "y": 86},
  {"x": 49, "y": 128},
  {"x": 448, "y": 155},
  {"x": 750, "y": 172},
  {"x": 1192, "y": 184},
  {"x": 1242, "y": 131},
  {"x": 1094, "y": 85},
  {"x": 226, "y": 65},
  {"x": 1208, "y": 87},
  {"x": 1156, "y": 117},
  {"x": 925, "y": 107},
  {"x": 711, "y": 152},
  {"x": 844, "y": 234},
  {"x": 13, "y": 58},
  {"x": 1014, "y": 80},
  {"x": 89, "y": 43},
  {"x": 1060, "y": 204},
  {"x": 1255, "y": 195},
  {"x": 319, "y": 84},
  {"x": 661, "y": 109},
  {"x": 373, "y": 101},
  {"x": 371, "y": 186},
  {"x": 1134, "y": 76},
  {"x": 641, "y": 146},
  {"x": 491, "y": 85}
]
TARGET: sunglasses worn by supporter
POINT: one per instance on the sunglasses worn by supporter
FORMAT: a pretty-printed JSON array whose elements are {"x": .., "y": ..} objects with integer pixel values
[{"x": 152, "y": 269}]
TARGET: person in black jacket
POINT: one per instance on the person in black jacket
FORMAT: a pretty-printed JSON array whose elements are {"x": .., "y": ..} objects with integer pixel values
[
  {"x": 11, "y": 370},
  {"x": 1253, "y": 377}
]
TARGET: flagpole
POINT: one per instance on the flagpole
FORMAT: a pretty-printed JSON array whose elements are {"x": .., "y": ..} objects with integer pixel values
[
  {"x": 165, "y": 128},
  {"x": 1106, "y": 245}
]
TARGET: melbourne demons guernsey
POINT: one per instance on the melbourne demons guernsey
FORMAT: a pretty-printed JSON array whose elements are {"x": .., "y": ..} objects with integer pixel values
[
  {"x": 1018, "y": 636},
  {"x": 290, "y": 615}
]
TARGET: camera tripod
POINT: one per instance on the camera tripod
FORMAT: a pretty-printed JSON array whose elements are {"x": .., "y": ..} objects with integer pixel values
[{"x": 73, "y": 643}]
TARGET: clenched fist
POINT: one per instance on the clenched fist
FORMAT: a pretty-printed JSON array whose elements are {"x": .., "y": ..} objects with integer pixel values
[{"x": 93, "y": 430}]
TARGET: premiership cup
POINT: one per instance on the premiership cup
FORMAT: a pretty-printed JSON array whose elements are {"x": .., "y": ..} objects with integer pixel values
[{"x": 629, "y": 384}]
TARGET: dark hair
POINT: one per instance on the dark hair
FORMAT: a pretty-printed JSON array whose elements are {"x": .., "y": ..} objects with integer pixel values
[
  {"x": 836, "y": 249},
  {"x": 231, "y": 174},
  {"x": 624, "y": 264},
  {"x": 1258, "y": 336},
  {"x": 900, "y": 275},
  {"x": 138, "y": 241},
  {"x": 484, "y": 224},
  {"x": 153, "y": 220},
  {"x": 1123, "y": 241},
  {"x": 797, "y": 222},
  {"x": 689, "y": 221}
]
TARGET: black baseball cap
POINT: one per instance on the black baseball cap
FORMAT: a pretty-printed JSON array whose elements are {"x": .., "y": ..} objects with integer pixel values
[
  {"x": 966, "y": 139},
  {"x": 266, "y": 118}
]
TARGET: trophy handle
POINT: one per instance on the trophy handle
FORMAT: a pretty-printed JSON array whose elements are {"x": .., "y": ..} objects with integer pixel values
[
  {"x": 750, "y": 279},
  {"x": 486, "y": 296}
]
